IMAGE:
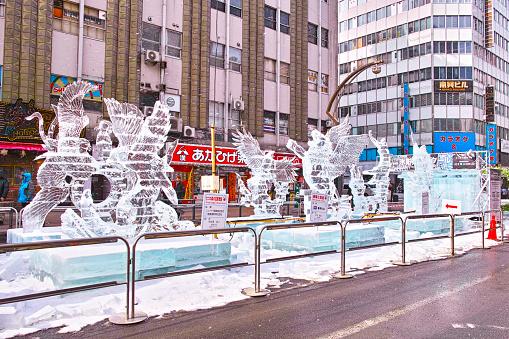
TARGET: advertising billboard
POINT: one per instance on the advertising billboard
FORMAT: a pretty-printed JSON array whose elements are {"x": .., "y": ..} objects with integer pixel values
[{"x": 447, "y": 142}]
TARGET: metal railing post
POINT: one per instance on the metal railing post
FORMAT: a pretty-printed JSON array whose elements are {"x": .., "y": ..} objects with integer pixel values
[
  {"x": 240, "y": 210},
  {"x": 403, "y": 245},
  {"x": 452, "y": 233},
  {"x": 482, "y": 233},
  {"x": 343, "y": 252},
  {"x": 257, "y": 291}
]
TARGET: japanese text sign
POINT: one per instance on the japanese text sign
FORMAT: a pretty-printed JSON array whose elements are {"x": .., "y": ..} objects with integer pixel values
[
  {"x": 319, "y": 203},
  {"x": 214, "y": 211},
  {"x": 454, "y": 142},
  {"x": 491, "y": 143}
]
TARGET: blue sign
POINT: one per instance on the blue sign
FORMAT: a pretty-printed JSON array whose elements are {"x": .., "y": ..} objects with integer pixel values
[
  {"x": 448, "y": 142},
  {"x": 491, "y": 143},
  {"x": 406, "y": 122}
]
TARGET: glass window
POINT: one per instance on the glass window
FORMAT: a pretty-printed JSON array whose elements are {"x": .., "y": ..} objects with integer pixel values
[
  {"x": 234, "y": 119},
  {"x": 285, "y": 22},
  {"x": 235, "y": 59},
  {"x": 270, "y": 69},
  {"x": 216, "y": 114},
  {"x": 284, "y": 123},
  {"x": 325, "y": 38},
  {"x": 270, "y": 17},
  {"x": 236, "y": 7},
  {"x": 312, "y": 80},
  {"x": 218, "y": 4},
  {"x": 284, "y": 70},
  {"x": 312, "y": 33},
  {"x": 173, "y": 43},
  {"x": 325, "y": 83},
  {"x": 269, "y": 122},
  {"x": 150, "y": 37},
  {"x": 216, "y": 55}
]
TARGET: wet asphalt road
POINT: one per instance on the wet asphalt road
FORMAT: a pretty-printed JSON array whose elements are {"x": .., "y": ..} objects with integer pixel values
[{"x": 462, "y": 297}]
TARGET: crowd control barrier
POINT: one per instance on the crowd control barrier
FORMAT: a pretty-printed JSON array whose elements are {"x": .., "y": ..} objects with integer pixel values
[
  {"x": 10, "y": 210},
  {"x": 66, "y": 243},
  {"x": 176, "y": 234}
]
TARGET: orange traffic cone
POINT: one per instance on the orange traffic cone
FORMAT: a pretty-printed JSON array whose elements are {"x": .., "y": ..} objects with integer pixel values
[{"x": 492, "y": 234}]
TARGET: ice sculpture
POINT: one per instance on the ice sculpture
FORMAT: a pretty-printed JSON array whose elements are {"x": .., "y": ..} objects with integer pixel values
[
  {"x": 265, "y": 171},
  {"x": 358, "y": 187},
  {"x": 327, "y": 158},
  {"x": 380, "y": 179},
  {"x": 136, "y": 172}
]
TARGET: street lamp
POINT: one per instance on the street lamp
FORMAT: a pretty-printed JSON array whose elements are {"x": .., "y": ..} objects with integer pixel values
[{"x": 376, "y": 70}]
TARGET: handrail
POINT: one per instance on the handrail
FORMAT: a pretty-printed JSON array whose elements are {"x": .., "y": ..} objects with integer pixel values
[
  {"x": 67, "y": 243},
  {"x": 177, "y": 234},
  {"x": 10, "y": 209}
]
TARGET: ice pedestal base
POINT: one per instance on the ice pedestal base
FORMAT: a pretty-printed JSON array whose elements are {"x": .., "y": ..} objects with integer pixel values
[
  {"x": 325, "y": 238},
  {"x": 84, "y": 265}
]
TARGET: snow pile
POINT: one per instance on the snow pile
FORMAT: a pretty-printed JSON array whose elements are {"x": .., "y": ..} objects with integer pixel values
[{"x": 195, "y": 291}]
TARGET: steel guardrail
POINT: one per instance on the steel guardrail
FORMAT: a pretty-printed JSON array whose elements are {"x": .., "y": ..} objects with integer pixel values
[
  {"x": 177, "y": 234},
  {"x": 10, "y": 210},
  {"x": 67, "y": 243}
]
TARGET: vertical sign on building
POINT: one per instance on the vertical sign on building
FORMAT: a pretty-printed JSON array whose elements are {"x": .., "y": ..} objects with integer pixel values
[
  {"x": 491, "y": 143},
  {"x": 406, "y": 122},
  {"x": 488, "y": 23},
  {"x": 495, "y": 190},
  {"x": 490, "y": 104}
]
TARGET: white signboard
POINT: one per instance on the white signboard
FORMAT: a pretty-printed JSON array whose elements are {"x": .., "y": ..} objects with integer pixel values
[
  {"x": 214, "y": 211},
  {"x": 319, "y": 203},
  {"x": 210, "y": 182},
  {"x": 425, "y": 203},
  {"x": 504, "y": 146},
  {"x": 495, "y": 190},
  {"x": 451, "y": 206}
]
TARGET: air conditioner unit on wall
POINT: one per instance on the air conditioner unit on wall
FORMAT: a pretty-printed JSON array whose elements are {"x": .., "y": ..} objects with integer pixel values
[
  {"x": 328, "y": 123},
  {"x": 152, "y": 56},
  {"x": 189, "y": 132},
  {"x": 176, "y": 125},
  {"x": 238, "y": 105},
  {"x": 147, "y": 110}
]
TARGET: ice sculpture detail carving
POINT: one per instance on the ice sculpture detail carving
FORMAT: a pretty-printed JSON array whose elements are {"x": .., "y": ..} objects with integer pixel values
[
  {"x": 327, "y": 158},
  {"x": 380, "y": 172},
  {"x": 265, "y": 171},
  {"x": 136, "y": 172}
]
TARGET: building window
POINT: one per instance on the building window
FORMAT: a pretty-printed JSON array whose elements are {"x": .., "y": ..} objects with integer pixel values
[
  {"x": 216, "y": 114},
  {"x": 312, "y": 125},
  {"x": 284, "y": 122},
  {"x": 236, "y": 7},
  {"x": 150, "y": 37},
  {"x": 325, "y": 38},
  {"x": 285, "y": 22},
  {"x": 269, "y": 122},
  {"x": 216, "y": 55},
  {"x": 312, "y": 80},
  {"x": 325, "y": 83},
  {"x": 270, "y": 69},
  {"x": 173, "y": 43},
  {"x": 284, "y": 73},
  {"x": 270, "y": 17},
  {"x": 235, "y": 59},
  {"x": 234, "y": 119},
  {"x": 312, "y": 33},
  {"x": 218, "y": 4},
  {"x": 66, "y": 19},
  {"x": 2, "y": 8}
]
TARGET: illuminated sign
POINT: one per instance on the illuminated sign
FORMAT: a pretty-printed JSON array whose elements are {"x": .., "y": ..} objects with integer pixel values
[
  {"x": 406, "y": 121},
  {"x": 454, "y": 142},
  {"x": 454, "y": 86},
  {"x": 490, "y": 104},
  {"x": 491, "y": 143}
]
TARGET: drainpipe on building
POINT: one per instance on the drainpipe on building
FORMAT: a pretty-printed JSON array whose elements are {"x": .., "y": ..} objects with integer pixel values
[
  {"x": 163, "y": 53},
  {"x": 319, "y": 80},
  {"x": 227, "y": 72},
  {"x": 278, "y": 68},
  {"x": 81, "y": 21}
]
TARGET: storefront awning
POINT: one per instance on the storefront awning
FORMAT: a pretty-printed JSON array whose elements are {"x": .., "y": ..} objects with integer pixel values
[{"x": 22, "y": 145}]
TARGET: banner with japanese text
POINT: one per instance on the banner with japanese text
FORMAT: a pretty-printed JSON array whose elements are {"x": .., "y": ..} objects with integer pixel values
[{"x": 491, "y": 143}]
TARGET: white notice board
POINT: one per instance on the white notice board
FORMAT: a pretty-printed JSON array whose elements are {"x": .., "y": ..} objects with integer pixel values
[
  {"x": 214, "y": 211},
  {"x": 319, "y": 203}
]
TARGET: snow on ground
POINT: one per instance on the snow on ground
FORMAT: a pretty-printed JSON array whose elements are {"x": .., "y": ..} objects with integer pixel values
[{"x": 194, "y": 291}]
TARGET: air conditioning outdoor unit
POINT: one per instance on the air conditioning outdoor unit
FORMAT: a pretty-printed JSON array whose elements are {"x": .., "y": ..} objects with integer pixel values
[
  {"x": 152, "y": 56},
  {"x": 189, "y": 132},
  {"x": 147, "y": 110},
  {"x": 328, "y": 123},
  {"x": 176, "y": 125},
  {"x": 238, "y": 105}
]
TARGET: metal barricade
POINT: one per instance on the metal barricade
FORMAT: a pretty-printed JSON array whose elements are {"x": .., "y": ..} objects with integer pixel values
[
  {"x": 257, "y": 291},
  {"x": 176, "y": 234},
  {"x": 424, "y": 216},
  {"x": 342, "y": 274},
  {"x": 11, "y": 210},
  {"x": 67, "y": 243}
]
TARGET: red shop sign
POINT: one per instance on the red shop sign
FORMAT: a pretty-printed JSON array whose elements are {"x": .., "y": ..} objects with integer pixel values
[{"x": 202, "y": 155}]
